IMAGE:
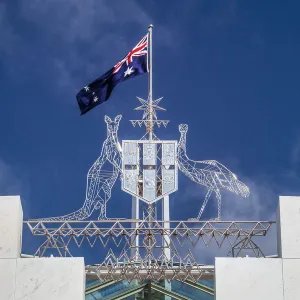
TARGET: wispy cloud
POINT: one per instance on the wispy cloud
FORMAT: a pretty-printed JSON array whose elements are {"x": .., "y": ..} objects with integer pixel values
[
  {"x": 71, "y": 40},
  {"x": 76, "y": 21},
  {"x": 262, "y": 204}
]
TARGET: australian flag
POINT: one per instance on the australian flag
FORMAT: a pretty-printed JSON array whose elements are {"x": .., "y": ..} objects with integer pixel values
[{"x": 133, "y": 64}]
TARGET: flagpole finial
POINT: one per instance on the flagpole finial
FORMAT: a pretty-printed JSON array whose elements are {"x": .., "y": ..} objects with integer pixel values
[{"x": 150, "y": 26}]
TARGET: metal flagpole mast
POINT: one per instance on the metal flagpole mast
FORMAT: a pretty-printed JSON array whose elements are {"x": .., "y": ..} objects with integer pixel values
[{"x": 150, "y": 83}]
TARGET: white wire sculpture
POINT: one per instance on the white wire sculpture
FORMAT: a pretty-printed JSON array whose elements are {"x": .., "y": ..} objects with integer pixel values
[
  {"x": 209, "y": 173},
  {"x": 149, "y": 172},
  {"x": 101, "y": 176},
  {"x": 149, "y": 119}
]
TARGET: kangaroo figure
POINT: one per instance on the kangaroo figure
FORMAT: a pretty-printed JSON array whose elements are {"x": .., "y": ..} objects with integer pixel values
[
  {"x": 209, "y": 173},
  {"x": 101, "y": 176}
]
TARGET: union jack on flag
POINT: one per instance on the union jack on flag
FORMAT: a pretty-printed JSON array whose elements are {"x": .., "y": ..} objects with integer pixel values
[
  {"x": 133, "y": 64},
  {"x": 140, "y": 49}
]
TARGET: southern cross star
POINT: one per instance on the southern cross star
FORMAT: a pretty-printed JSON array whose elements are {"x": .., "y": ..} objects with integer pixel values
[
  {"x": 95, "y": 99},
  {"x": 86, "y": 88},
  {"x": 128, "y": 72}
]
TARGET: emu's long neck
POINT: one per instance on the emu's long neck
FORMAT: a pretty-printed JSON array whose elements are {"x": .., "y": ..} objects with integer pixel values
[
  {"x": 182, "y": 158},
  {"x": 182, "y": 142}
]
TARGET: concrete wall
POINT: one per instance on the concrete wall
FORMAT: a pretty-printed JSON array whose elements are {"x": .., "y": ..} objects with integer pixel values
[
  {"x": 266, "y": 278},
  {"x": 33, "y": 278},
  {"x": 11, "y": 225},
  {"x": 248, "y": 279},
  {"x": 288, "y": 227}
]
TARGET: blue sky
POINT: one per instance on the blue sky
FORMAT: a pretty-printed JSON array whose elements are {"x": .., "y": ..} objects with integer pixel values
[{"x": 229, "y": 69}]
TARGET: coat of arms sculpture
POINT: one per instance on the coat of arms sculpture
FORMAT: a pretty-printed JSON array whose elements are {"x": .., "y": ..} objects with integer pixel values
[{"x": 148, "y": 169}]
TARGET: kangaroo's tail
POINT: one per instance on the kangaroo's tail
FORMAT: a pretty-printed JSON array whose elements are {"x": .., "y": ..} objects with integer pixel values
[{"x": 78, "y": 215}]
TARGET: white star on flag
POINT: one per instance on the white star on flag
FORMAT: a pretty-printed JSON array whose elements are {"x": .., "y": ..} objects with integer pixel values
[
  {"x": 86, "y": 88},
  {"x": 95, "y": 99},
  {"x": 128, "y": 72}
]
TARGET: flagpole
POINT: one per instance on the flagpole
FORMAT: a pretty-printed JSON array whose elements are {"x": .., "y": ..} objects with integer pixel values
[{"x": 150, "y": 83}]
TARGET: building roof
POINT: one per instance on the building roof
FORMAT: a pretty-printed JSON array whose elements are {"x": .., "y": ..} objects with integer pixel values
[{"x": 203, "y": 290}]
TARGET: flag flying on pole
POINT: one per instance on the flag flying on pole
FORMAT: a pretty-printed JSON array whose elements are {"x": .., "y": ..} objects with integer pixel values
[{"x": 133, "y": 64}]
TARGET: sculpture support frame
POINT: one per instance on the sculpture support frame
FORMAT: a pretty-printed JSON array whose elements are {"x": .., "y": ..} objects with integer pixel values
[{"x": 61, "y": 236}]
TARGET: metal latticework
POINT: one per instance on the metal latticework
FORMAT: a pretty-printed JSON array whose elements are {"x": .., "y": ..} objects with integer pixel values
[
  {"x": 208, "y": 173},
  {"x": 150, "y": 261}
]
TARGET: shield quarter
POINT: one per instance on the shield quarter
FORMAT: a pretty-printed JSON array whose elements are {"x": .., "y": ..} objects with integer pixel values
[{"x": 149, "y": 169}]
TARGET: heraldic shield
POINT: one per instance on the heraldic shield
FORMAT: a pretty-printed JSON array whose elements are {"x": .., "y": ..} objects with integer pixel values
[{"x": 149, "y": 169}]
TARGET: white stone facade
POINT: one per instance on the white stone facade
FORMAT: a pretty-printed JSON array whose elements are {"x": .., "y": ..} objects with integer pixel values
[
  {"x": 266, "y": 278},
  {"x": 11, "y": 225},
  {"x": 33, "y": 278}
]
